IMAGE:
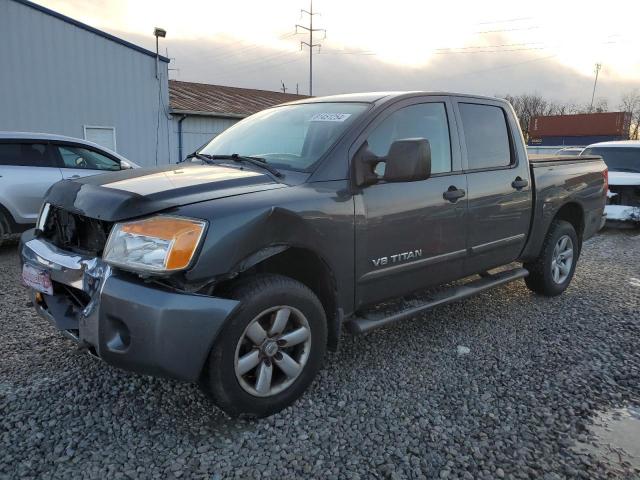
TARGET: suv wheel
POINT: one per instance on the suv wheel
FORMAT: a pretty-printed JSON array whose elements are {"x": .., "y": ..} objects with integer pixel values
[
  {"x": 5, "y": 230},
  {"x": 270, "y": 351},
  {"x": 551, "y": 273}
]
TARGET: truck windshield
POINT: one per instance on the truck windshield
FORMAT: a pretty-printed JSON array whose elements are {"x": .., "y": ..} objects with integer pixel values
[
  {"x": 291, "y": 137},
  {"x": 619, "y": 159}
]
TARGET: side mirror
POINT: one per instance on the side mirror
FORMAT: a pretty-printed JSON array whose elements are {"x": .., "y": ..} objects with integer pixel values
[
  {"x": 125, "y": 165},
  {"x": 408, "y": 160}
]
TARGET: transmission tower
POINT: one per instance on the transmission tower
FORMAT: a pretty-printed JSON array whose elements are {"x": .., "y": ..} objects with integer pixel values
[{"x": 310, "y": 43}]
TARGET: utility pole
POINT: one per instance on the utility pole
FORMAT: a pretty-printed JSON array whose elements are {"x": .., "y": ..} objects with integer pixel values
[
  {"x": 598, "y": 67},
  {"x": 283, "y": 88},
  {"x": 310, "y": 43}
]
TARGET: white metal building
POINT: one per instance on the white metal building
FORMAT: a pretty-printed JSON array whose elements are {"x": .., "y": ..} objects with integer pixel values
[
  {"x": 58, "y": 75},
  {"x": 202, "y": 111}
]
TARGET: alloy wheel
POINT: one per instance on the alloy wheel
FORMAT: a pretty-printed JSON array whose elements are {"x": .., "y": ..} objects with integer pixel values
[
  {"x": 562, "y": 259},
  {"x": 272, "y": 351}
]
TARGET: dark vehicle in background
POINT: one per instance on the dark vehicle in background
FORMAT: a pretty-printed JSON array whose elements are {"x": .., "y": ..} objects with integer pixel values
[
  {"x": 239, "y": 271},
  {"x": 623, "y": 160},
  {"x": 31, "y": 162}
]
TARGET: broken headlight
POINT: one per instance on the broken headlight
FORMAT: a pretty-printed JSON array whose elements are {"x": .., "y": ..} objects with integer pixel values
[{"x": 157, "y": 244}]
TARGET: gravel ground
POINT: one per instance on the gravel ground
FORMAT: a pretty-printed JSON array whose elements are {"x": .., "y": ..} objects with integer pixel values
[{"x": 397, "y": 403}]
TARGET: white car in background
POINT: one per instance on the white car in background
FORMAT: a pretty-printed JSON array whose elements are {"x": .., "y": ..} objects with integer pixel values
[
  {"x": 623, "y": 160},
  {"x": 31, "y": 162}
]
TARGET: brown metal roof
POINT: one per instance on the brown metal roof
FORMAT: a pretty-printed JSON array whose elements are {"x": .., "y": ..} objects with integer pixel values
[{"x": 202, "y": 98}]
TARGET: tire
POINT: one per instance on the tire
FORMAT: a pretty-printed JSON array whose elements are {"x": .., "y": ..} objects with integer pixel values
[
  {"x": 5, "y": 229},
  {"x": 543, "y": 271},
  {"x": 263, "y": 299}
]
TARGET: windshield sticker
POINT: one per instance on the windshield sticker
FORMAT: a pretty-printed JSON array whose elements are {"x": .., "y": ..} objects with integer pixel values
[{"x": 330, "y": 117}]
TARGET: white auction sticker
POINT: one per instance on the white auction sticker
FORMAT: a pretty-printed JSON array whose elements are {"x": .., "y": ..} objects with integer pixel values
[{"x": 330, "y": 117}]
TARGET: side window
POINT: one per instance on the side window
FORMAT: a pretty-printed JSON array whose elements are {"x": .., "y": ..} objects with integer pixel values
[
  {"x": 486, "y": 135},
  {"x": 78, "y": 157},
  {"x": 426, "y": 120},
  {"x": 25, "y": 154}
]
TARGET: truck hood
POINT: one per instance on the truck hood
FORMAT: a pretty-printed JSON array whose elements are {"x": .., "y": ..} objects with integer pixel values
[
  {"x": 624, "y": 178},
  {"x": 132, "y": 193}
]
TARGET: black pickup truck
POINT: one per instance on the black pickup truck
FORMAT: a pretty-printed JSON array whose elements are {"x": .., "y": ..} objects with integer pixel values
[{"x": 239, "y": 268}]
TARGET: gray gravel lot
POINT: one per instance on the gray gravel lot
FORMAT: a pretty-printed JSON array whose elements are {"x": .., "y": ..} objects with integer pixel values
[{"x": 397, "y": 403}]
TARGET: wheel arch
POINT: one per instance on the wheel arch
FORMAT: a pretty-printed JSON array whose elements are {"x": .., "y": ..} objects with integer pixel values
[
  {"x": 11, "y": 221},
  {"x": 307, "y": 267},
  {"x": 570, "y": 211},
  {"x": 573, "y": 213}
]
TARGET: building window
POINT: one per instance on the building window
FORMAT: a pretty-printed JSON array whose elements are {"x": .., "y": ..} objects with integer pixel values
[{"x": 103, "y": 136}]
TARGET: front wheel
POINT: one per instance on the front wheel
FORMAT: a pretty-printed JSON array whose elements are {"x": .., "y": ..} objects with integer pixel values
[
  {"x": 551, "y": 273},
  {"x": 270, "y": 351}
]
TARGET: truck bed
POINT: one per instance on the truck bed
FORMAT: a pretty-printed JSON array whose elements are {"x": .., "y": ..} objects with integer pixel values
[{"x": 558, "y": 178}]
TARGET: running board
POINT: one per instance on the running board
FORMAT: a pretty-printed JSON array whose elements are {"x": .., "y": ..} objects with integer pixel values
[{"x": 358, "y": 324}]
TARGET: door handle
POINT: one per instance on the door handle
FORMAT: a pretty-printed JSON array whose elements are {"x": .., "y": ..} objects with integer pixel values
[
  {"x": 453, "y": 194},
  {"x": 519, "y": 183},
  {"x": 74, "y": 176}
]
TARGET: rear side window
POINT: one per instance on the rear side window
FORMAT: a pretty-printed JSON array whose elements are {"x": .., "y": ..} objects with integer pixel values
[
  {"x": 24, "y": 154},
  {"x": 77, "y": 157},
  {"x": 486, "y": 136}
]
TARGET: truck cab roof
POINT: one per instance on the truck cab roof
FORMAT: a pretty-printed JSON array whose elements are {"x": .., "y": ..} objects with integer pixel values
[{"x": 375, "y": 97}]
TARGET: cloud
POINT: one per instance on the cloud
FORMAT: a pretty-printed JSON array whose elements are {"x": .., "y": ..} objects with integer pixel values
[
  {"x": 237, "y": 43},
  {"x": 252, "y": 66}
]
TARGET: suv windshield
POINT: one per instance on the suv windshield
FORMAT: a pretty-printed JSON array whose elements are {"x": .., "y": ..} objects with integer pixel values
[
  {"x": 292, "y": 137},
  {"x": 618, "y": 159}
]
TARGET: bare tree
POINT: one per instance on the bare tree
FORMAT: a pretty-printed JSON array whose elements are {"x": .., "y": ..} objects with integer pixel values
[
  {"x": 631, "y": 103},
  {"x": 528, "y": 106}
]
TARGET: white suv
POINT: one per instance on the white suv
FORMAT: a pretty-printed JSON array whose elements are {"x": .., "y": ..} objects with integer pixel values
[
  {"x": 31, "y": 162},
  {"x": 623, "y": 160}
]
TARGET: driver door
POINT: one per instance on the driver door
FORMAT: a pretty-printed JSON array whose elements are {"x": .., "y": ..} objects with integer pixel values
[{"x": 408, "y": 235}]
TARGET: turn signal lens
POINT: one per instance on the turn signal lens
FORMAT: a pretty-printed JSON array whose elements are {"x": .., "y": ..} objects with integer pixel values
[{"x": 159, "y": 244}]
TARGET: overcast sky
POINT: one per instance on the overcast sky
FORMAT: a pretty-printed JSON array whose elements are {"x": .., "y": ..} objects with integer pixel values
[{"x": 485, "y": 47}]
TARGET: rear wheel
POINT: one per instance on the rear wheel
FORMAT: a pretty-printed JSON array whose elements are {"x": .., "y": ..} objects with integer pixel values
[
  {"x": 271, "y": 349},
  {"x": 551, "y": 273}
]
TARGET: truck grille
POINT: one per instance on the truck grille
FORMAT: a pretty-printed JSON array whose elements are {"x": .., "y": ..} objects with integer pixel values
[{"x": 76, "y": 233}]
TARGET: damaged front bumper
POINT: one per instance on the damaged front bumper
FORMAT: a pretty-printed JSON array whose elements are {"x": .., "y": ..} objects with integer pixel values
[{"x": 126, "y": 322}]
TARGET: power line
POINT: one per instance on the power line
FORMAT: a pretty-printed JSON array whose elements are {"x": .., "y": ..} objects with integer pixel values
[
  {"x": 508, "y": 20},
  {"x": 244, "y": 47},
  {"x": 501, "y": 67},
  {"x": 508, "y": 30},
  {"x": 310, "y": 43}
]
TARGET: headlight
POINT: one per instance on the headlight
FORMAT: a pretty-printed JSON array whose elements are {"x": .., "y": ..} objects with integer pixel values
[{"x": 156, "y": 244}]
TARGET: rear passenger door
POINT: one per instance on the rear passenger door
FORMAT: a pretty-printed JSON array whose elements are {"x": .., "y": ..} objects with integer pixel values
[
  {"x": 27, "y": 170},
  {"x": 79, "y": 161},
  {"x": 499, "y": 189}
]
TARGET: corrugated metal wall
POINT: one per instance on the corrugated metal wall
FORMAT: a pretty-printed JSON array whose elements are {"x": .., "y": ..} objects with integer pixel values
[
  {"x": 56, "y": 77},
  {"x": 197, "y": 130}
]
